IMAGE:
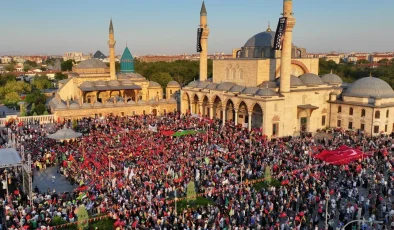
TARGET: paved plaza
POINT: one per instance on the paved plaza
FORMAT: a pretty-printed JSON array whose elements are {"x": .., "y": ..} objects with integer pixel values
[{"x": 50, "y": 179}]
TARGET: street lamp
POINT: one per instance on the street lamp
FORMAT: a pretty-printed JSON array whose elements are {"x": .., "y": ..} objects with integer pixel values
[
  {"x": 327, "y": 199},
  {"x": 6, "y": 182}
]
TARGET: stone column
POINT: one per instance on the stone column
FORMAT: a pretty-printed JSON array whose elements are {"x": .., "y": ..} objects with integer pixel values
[
  {"x": 210, "y": 111},
  {"x": 236, "y": 117},
  {"x": 201, "y": 109},
  {"x": 224, "y": 115},
  {"x": 250, "y": 121}
]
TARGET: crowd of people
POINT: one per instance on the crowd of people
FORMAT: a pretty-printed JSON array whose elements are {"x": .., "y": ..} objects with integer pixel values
[{"x": 133, "y": 170}]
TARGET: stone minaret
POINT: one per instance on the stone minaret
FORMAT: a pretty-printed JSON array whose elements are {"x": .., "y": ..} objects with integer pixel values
[
  {"x": 111, "y": 44},
  {"x": 285, "y": 65},
  {"x": 204, "y": 44}
]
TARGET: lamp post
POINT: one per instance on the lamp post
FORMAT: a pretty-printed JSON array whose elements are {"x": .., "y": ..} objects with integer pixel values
[
  {"x": 6, "y": 182},
  {"x": 327, "y": 199}
]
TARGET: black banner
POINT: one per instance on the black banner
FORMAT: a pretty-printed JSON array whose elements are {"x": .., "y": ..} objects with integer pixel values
[
  {"x": 280, "y": 32},
  {"x": 199, "y": 34}
]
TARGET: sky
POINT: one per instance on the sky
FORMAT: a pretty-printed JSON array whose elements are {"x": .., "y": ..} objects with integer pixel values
[{"x": 170, "y": 26}]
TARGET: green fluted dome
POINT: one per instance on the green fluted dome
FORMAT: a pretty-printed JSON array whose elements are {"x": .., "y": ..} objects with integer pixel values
[{"x": 127, "y": 62}]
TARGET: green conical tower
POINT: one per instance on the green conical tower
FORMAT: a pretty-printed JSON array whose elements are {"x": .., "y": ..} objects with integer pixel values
[{"x": 127, "y": 62}]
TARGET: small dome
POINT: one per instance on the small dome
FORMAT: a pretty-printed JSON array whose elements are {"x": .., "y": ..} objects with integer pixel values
[
  {"x": 237, "y": 89},
  {"x": 331, "y": 79},
  {"x": 266, "y": 92},
  {"x": 311, "y": 79},
  {"x": 74, "y": 106},
  {"x": 225, "y": 86},
  {"x": 173, "y": 84},
  {"x": 163, "y": 101},
  {"x": 127, "y": 82},
  {"x": 152, "y": 101},
  {"x": 61, "y": 105},
  {"x": 212, "y": 86},
  {"x": 131, "y": 102},
  {"x": 86, "y": 106},
  {"x": 268, "y": 84},
  {"x": 109, "y": 104},
  {"x": 202, "y": 84},
  {"x": 141, "y": 102},
  {"x": 87, "y": 84},
  {"x": 172, "y": 100},
  {"x": 97, "y": 104},
  {"x": 100, "y": 83},
  {"x": 113, "y": 83},
  {"x": 250, "y": 90},
  {"x": 294, "y": 81},
  {"x": 153, "y": 84},
  {"x": 91, "y": 64},
  {"x": 193, "y": 84},
  {"x": 369, "y": 87}
]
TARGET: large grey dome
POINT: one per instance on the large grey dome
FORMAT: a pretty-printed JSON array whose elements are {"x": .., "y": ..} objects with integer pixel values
[
  {"x": 212, "y": 86},
  {"x": 294, "y": 81},
  {"x": 202, "y": 84},
  {"x": 237, "y": 89},
  {"x": 225, "y": 86},
  {"x": 193, "y": 84},
  {"x": 311, "y": 79},
  {"x": 91, "y": 64},
  {"x": 331, "y": 79},
  {"x": 250, "y": 90},
  {"x": 266, "y": 92},
  {"x": 263, "y": 39},
  {"x": 369, "y": 87}
]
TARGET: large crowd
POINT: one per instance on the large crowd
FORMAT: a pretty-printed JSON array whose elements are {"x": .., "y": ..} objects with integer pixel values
[{"x": 123, "y": 168}]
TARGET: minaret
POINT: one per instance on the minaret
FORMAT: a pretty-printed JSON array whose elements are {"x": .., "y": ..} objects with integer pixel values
[
  {"x": 204, "y": 44},
  {"x": 285, "y": 65},
  {"x": 111, "y": 44}
]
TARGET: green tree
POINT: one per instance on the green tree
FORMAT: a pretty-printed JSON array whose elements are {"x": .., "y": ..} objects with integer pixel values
[
  {"x": 26, "y": 68},
  {"x": 6, "y": 78},
  {"x": 83, "y": 217},
  {"x": 36, "y": 97},
  {"x": 384, "y": 61},
  {"x": 43, "y": 69},
  {"x": 10, "y": 68},
  {"x": 363, "y": 61},
  {"x": 267, "y": 174},
  {"x": 67, "y": 65},
  {"x": 31, "y": 63},
  {"x": 40, "y": 109},
  {"x": 42, "y": 82},
  {"x": 162, "y": 78},
  {"x": 12, "y": 98},
  {"x": 60, "y": 76}
]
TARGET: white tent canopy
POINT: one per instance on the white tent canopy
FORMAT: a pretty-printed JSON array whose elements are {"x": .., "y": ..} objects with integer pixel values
[
  {"x": 64, "y": 134},
  {"x": 9, "y": 157}
]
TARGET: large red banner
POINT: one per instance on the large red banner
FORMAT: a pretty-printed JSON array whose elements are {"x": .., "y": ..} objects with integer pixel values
[{"x": 342, "y": 155}]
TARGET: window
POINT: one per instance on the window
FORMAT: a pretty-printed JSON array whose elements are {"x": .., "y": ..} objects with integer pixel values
[
  {"x": 227, "y": 74},
  {"x": 387, "y": 114},
  {"x": 363, "y": 113},
  {"x": 377, "y": 114},
  {"x": 339, "y": 123},
  {"x": 351, "y": 111},
  {"x": 323, "y": 120},
  {"x": 170, "y": 91},
  {"x": 234, "y": 73},
  {"x": 241, "y": 73},
  {"x": 133, "y": 113},
  {"x": 350, "y": 126},
  {"x": 256, "y": 53},
  {"x": 122, "y": 113},
  {"x": 385, "y": 127},
  {"x": 362, "y": 126},
  {"x": 376, "y": 129},
  {"x": 143, "y": 112},
  {"x": 339, "y": 109},
  {"x": 275, "y": 129}
]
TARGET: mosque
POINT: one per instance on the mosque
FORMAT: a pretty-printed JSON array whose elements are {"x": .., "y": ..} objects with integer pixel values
[
  {"x": 94, "y": 89},
  {"x": 279, "y": 90}
]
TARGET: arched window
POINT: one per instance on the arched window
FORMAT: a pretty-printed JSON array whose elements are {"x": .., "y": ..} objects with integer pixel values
[
  {"x": 241, "y": 73},
  {"x": 227, "y": 73},
  {"x": 377, "y": 114},
  {"x": 339, "y": 109},
  {"x": 170, "y": 91},
  {"x": 387, "y": 113},
  {"x": 234, "y": 73},
  {"x": 256, "y": 52},
  {"x": 351, "y": 111},
  {"x": 363, "y": 113}
]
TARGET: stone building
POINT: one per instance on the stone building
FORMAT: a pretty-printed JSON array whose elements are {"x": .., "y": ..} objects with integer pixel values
[
  {"x": 94, "y": 89},
  {"x": 280, "y": 92}
]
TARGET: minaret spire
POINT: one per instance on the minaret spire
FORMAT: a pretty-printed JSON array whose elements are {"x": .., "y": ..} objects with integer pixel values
[
  {"x": 203, "y": 11},
  {"x": 204, "y": 43},
  {"x": 111, "y": 44},
  {"x": 269, "y": 27}
]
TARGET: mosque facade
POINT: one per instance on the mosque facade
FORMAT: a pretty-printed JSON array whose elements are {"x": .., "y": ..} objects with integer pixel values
[
  {"x": 94, "y": 89},
  {"x": 280, "y": 91}
]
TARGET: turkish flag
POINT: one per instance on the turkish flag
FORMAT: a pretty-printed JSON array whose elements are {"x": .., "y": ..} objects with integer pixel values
[{"x": 341, "y": 156}]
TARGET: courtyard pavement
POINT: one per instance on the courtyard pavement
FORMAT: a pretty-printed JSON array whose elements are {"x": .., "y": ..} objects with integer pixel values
[{"x": 49, "y": 178}]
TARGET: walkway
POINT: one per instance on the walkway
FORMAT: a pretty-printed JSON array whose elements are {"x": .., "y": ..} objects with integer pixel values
[{"x": 44, "y": 180}]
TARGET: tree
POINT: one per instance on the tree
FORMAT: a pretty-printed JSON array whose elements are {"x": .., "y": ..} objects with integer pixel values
[
  {"x": 162, "y": 78},
  {"x": 6, "y": 78},
  {"x": 67, "y": 65},
  {"x": 31, "y": 63},
  {"x": 267, "y": 174},
  {"x": 36, "y": 97},
  {"x": 26, "y": 68},
  {"x": 12, "y": 98},
  {"x": 384, "y": 60},
  {"x": 40, "y": 109},
  {"x": 60, "y": 76},
  {"x": 362, "y": 61},
  {"x": 10, "y": 68},
  {"x": 43, "y": 69},
  {"x": 42, "y": 82},
  {"x": 83, "y": 217}
]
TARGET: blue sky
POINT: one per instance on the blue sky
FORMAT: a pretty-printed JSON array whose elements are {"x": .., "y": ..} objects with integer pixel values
[{"x": 169, "y": 26}]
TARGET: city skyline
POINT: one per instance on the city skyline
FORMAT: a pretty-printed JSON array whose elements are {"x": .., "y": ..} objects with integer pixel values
[{"x": 158, "y": 27}]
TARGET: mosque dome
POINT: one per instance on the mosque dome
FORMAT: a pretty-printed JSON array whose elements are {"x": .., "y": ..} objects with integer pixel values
[
  {"x": 331, "y": 78},
  {"x": 212, "y": 86},
  {"x": 311, "y": 79},
  {"x": 193, "y": 84},
  {"x": 173, "y": 84},
  {"x": 113, "y": 83},
  {"x": 86, "y": 106},
  {"x": 250, "y": 90},
  {"x": 109, "y": 104},
  {"x": 202, "y": 84},
  {"x": 269, "y": 84},
  {"x": 263, "y": 39},
  {"x": 237, "y": 89},
  {"x": 74, "y": 106},
  {"x": 91, "y": 64},
  {"x": 131, "y": 102},
  {"x": 127, "y": 82},
  {"x": 87, "y": 84},
  {"x": 153, "y": 84},
  {"x": 97, "y": 104},
  {"x": 369, "y": 87},
  {"x": 225, "y": 86},
  {"x": 172, "y": 100},
  {"x": 266, "y": 92},
  {"x": 61, "y": 105},
  {"x": 100, "y": 83},
  {"x": 294, "y": 81},
  {"x": 163, "y": 101}
]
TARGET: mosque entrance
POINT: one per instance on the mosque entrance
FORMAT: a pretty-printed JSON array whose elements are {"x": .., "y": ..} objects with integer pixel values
[
  {"x": 303, "y": 124},
  {"x": 154, "y": 112}
]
